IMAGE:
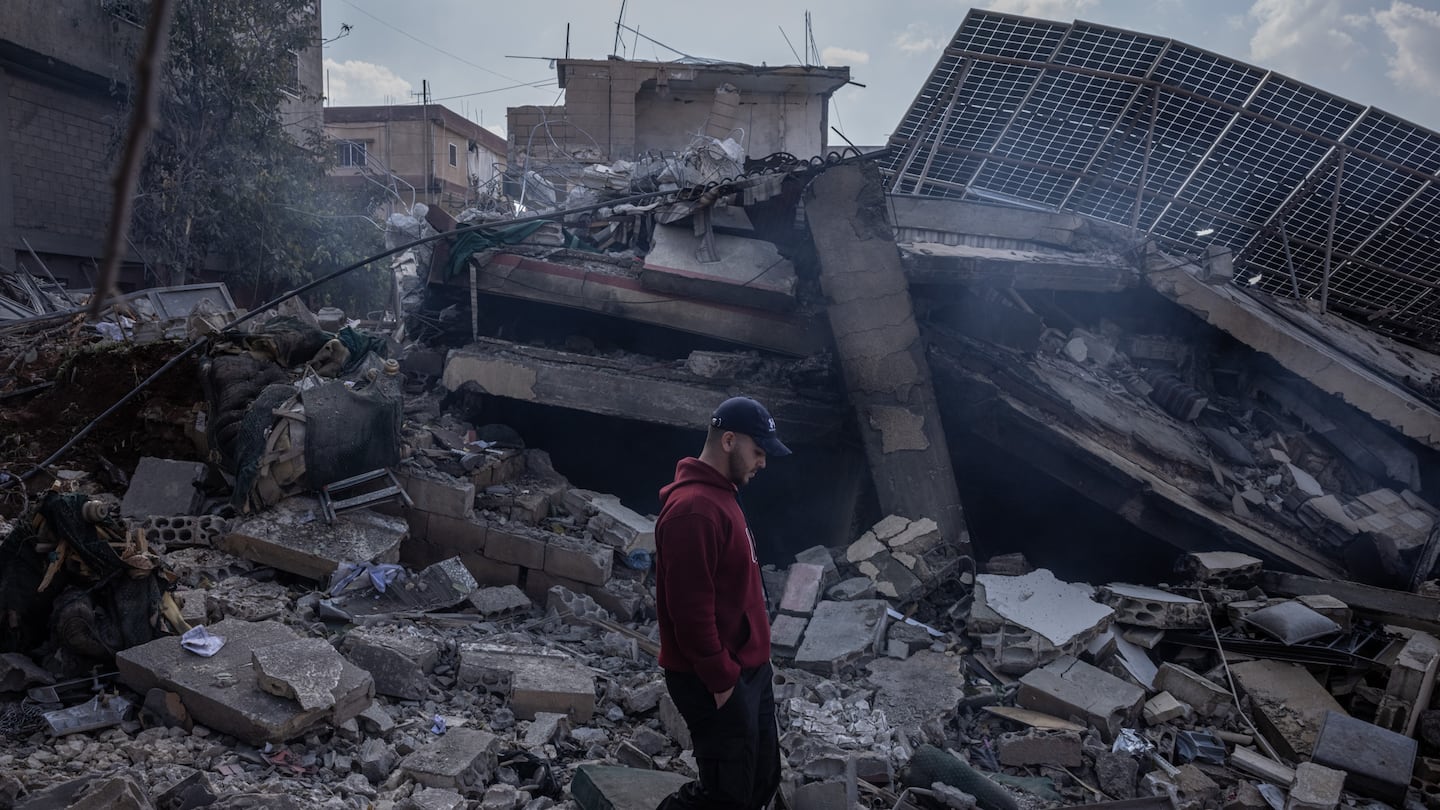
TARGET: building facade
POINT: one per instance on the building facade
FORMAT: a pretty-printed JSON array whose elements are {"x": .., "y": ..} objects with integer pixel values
[
  {"x": 419, "y": 152},
  {"x": 65, "y": 67}
]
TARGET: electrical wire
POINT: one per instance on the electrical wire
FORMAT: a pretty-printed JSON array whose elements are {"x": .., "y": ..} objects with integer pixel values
[{"x": 428, "y": 44}]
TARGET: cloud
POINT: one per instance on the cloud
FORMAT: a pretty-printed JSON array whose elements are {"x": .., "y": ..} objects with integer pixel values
[
  {"x": 1304, "y": 37},
  {"x": 917, "y": 39},
  {"x": 831, "y": 55},
  {"x": 1415, "y": 33},
  {"x": 1049, "y": 9},
  {"x": 353, "y": 82}
]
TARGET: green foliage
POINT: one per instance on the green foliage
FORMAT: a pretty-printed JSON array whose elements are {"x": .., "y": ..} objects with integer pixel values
[{"x": 235, "y": 173}]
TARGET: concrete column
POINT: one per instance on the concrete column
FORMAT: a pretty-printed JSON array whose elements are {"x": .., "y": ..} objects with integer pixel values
[{"x": 881, "y": 353}]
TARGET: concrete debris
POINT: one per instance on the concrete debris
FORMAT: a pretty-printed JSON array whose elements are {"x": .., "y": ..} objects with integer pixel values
[{"x": 481, "y": 632}]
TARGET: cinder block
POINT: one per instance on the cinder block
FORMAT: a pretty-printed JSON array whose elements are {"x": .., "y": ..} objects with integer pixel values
[
  {"x": 1053, "y": 748},
  {"x": 448, "y": 496},
  {"x": 578, "y": 559},
  {"x": 456, "y": 535},
  {"x": 515, "y": 545}
]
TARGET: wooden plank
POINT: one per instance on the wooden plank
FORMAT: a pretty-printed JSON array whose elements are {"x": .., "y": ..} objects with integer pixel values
[{"x": 1033, "y": 719}]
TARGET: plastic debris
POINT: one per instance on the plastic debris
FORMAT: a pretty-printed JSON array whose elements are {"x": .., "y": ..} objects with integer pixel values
[{"x": 202, "y": 642}]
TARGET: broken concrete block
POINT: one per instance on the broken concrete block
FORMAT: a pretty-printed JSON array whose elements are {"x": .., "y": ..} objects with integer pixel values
[
  {"x": 624, "y": 598},
  {"x": 841, "y": 633},
  {"x": 851, "y": 589},
  {"x": 1288, "y": 703},
  {"x": 573, "y": 608},
  {"x": 1303, "y": 482},
  {"x": 535, "y": 681},
  {"x": 1070, "y": 688},
  {"x": 438, "y": 493},
  {"x": 1117, "y": 773},
  {"x": 606, "y": 787},
  {"x": 918, "y": 537},
  {"x": 163, "y": 487},
  {"x": 247, "y": 599},
  {"x": 1024, "y": 622},
  {"x": 1248, "y": 760},
  {"x": 1052, "y": 748},
  {"x": 802, "y": 589},
  {"x": 617, "y": 525},
  {"x": 751, "y": 273},
  {"x": 1146, "y": 638},
  {"x": 400, "y": 659},
  {"x": 1162, "y": 709},
  {"x": 673, "y": 722},
  {"x": 462, "y": 759},
  {"x": 293, "y": 537},
  {"x": 578, "y": 559},
  {"x": 864, "y": 548},
  {"x": 174, "y": 532},
  {"x": 1316, "y": 788},
  {"x": 1201, "y": 694},
  {"x": 892, "y": 578},
  {"x": 786, "y": 633},
  {"x": 429, "y": 798},
  {"x": 820, "y": 555},
  {"x": 501, "y": 602},
  {"x": 518, "y": 545},
  {"x": 1377, "y": 762},
  {"x": 221, "y": 691},
  {"x": 305, "y": 670},
  {"x": 1150, "y": 607},
  {"x": 377, "y": 760},
  {"x": 821, "y": 795},
  {"x": 1331, "y": 608},
  {"x": 119, "y": 792},
  {"x": 545, "y": 728}
]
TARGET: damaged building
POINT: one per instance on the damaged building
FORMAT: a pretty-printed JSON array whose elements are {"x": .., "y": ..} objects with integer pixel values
[{"x": 1111, "y": 385}]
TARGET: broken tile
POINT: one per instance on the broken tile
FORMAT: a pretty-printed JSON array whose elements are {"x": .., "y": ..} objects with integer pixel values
[{"x": 293, "y": 537}]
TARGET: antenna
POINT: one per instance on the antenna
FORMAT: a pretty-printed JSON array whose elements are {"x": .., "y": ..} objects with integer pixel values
[
  {"x": 619, "y": 21},
  {"x": 810, "y": 39},
  {"x": 788, "y": 42},
  {"x": 567, "y": 40}
]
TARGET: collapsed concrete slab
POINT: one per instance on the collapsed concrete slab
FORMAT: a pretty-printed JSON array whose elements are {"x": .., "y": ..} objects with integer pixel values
[
  {"x": 294, "y": 537},
  {"x": 748, "y": 273},
  {"x": 924, "y": 687},
  {"x": 222, "y": 692},
  {"x": 628, "y": 388},
  {"x": 616, "y": 290},
  {"x": 399, "y": 659},
  {"x": 306, "y": 670},
  {"x": 1151, "y": 607}
]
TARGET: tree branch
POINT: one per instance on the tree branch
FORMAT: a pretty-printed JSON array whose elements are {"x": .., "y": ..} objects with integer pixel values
[{"x": 142, "y": 123}]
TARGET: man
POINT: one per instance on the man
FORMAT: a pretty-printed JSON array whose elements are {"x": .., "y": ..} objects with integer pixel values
[{"x": 714, "y": 627}]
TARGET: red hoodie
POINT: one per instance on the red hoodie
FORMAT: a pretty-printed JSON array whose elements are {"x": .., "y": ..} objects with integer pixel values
[{"x": 708, "y": 594}]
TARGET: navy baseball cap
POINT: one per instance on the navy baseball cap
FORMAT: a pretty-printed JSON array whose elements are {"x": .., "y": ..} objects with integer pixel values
[{"x": 745, "y": 415}]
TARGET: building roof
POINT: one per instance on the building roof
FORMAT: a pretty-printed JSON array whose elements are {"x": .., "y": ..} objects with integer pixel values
[
  {"x": 1192, "y": 149},
  {"x": 452, "y": 120},
  {"x": 808, "y": 79}
]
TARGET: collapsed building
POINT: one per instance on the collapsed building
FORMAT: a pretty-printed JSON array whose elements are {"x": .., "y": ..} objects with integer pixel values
[{"x": 1111, "y": 385}]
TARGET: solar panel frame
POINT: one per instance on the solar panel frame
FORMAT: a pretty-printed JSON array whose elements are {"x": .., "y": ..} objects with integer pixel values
[{"x": 1093, "y": 119}]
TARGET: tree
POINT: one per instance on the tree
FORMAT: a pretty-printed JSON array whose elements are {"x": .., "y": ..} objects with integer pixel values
[{"x": 231, "y": 175}]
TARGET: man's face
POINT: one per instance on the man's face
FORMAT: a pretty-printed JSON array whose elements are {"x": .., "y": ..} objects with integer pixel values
[{"x": 746, "y": 458}]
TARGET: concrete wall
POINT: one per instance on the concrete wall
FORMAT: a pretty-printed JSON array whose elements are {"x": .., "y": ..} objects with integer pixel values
[
  {"x": 419, "y": 153},
  {"x": 770, "y": 123},
  {"x": 81, "y": 31},
  {"x": 305, "y": 113}
]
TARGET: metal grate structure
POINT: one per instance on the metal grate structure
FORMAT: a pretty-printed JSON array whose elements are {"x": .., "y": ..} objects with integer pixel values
[{"x": 1318, "y": 197}]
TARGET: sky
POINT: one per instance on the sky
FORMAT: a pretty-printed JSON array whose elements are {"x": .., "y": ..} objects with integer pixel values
[{"x": 481, "y": 57}]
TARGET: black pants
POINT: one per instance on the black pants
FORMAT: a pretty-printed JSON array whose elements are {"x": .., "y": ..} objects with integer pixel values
[{"x": 737, "y": 749}]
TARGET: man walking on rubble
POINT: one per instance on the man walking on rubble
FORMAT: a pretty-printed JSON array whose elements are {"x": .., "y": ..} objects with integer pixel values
[{"x": 714, "y": 626}]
